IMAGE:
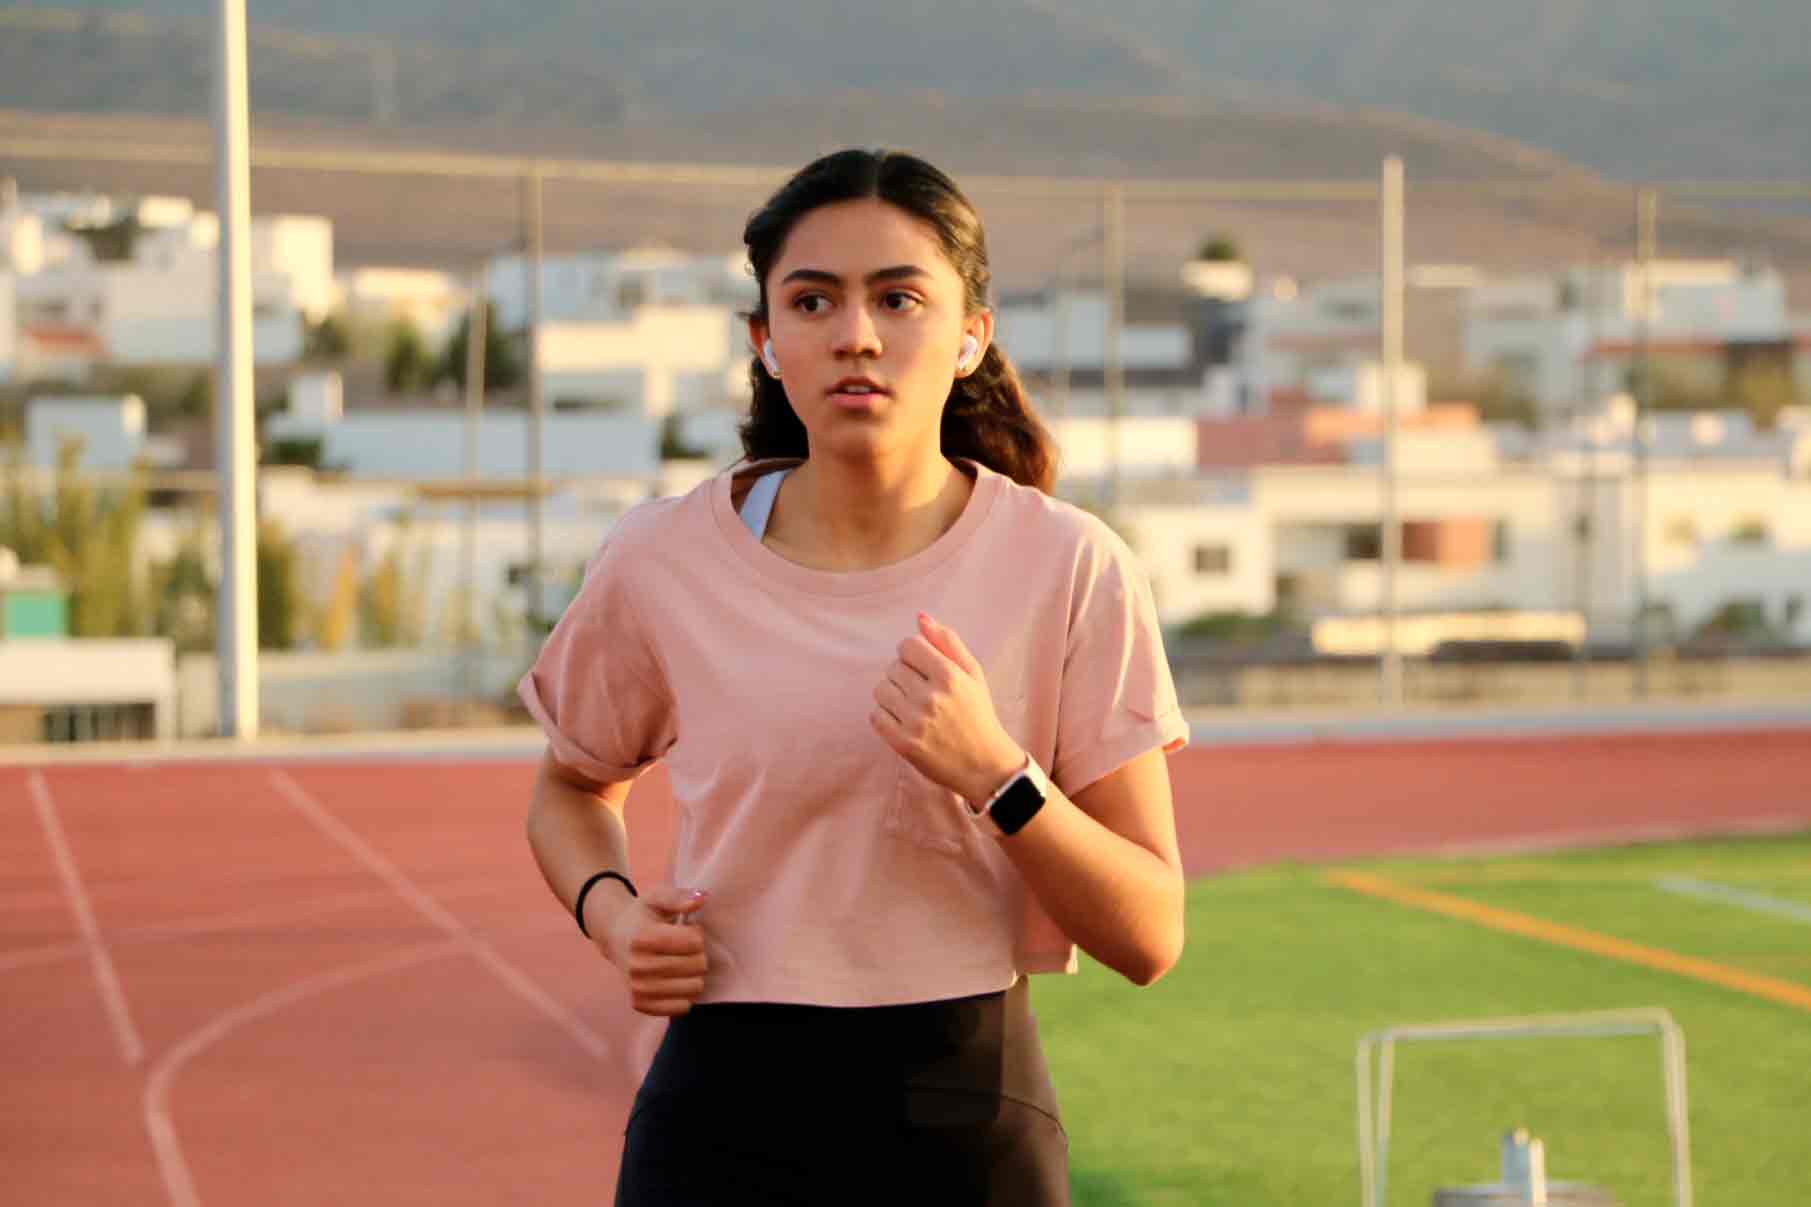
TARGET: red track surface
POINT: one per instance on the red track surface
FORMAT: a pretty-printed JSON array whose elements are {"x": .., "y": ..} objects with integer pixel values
[{"x": 344, "y": 982}]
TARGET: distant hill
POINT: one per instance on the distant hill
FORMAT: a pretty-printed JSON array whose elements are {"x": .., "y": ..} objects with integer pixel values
[{"x": 1630, "y": 88}]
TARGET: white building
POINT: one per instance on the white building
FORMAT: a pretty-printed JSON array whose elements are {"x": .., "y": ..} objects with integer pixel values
[
  {"x": 1726, "y": 523},
  {"x": 657, "y": 359},
  {"x": 1221, "y": 347},
  {"x": 1142, "y": 446},
  {"x": 431, "y": 302},
  {"x": 111, "y": 431},
  {"x": 1569, "y": 339},
  {"x": 609, "y": 286},
  {"x": 430, "y": 443},
  {"x": 156, "y": 305}
]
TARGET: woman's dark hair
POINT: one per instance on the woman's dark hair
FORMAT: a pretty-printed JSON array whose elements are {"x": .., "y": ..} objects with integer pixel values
[{"x": 988, "y": 417}]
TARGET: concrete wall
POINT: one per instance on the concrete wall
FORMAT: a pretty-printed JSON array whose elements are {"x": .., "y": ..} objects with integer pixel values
[
  {"x": 50, "y": 673},
  {"x": 1355, "y": 687},
  {"x": 348, "y": 692},
  {"x": 112, "y": 430}
]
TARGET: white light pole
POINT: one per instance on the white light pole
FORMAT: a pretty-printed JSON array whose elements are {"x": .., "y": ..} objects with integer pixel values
[
  {"x": 236, "y": 631},
  {"x": 1113, "y": 376},
  {"x": 1390, "y": 527}
]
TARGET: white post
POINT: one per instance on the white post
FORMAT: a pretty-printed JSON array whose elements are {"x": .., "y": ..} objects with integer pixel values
[
  {"x": 236, "y": 631},
  {"x": 537, "y": 406},
  {"x": 1113, "y": 377},
  {"x": 476, "y": 333},
  {"x": 1646, "y": 203},
  {"x": 1390, "y": 524}
]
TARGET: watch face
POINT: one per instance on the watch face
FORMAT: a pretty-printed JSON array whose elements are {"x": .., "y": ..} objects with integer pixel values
[{"x": 1017, "y": 805}]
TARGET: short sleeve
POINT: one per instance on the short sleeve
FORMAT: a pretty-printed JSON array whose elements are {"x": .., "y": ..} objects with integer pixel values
[
  {"x": 1118, "y": 700},
  {"x": 596, "y": 688}
]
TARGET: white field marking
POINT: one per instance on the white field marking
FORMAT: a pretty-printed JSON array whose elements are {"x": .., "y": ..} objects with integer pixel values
[
  {"x": 178, "y": 1182},
  {"x": 513, "y": 977},
  {"x": 1760, "y": 903},
  {"x": 106, "y": 977}
]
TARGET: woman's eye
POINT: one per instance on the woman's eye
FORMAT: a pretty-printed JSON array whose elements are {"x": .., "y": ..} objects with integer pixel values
[
  {"x": 899, "y": 301},
  {"x": 811, "y": 303}
]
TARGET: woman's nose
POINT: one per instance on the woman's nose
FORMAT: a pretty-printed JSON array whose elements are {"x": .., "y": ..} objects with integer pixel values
[{"x": 856, "y": 334}]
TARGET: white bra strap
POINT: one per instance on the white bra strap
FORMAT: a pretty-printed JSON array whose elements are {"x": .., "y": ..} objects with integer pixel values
[{"x": 757, "y": 506}]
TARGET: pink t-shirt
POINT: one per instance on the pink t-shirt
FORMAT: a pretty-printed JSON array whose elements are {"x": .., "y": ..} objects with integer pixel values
[{"x": 838, "y": 875}]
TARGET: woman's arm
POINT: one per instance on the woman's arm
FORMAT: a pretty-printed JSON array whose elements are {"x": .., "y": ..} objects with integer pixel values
[
  {"x": 1105, "y": 866},
  {"x": 575, "y": 829}
]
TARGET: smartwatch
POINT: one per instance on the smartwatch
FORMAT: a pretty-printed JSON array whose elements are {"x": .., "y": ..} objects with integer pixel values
[{"x": 1018, "y": 800}]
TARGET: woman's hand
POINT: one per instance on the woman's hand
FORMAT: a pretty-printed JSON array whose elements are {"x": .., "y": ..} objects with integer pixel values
[
  {"x": 933, "y": 707},
  {"x": 660, "y": 952}
]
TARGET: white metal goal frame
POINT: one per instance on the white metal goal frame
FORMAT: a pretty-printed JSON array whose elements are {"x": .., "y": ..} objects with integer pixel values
[{"x": 1376, "y": 1061}]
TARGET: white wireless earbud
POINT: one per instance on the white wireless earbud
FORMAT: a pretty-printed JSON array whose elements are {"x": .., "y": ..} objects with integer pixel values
[
  {"x": 970, "y": 346},
  {"x": 767, "y": 358}
]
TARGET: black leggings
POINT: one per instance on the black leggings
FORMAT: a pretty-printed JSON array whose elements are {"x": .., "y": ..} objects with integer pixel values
[{"x": 937, "y": 1102}]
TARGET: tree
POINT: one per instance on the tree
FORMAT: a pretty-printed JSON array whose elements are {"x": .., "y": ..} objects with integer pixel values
[
  {"x": 113, "y": 242},
  {"x": 1763, "y": 390},
  {"x": 1220, "y": 248},
  {"x": 673, "y": 444},
  {"x": 503, "y": 367},
  {"x": 407, "y": 365},
  {"x": 279, "y": 588},
  {"x": 336, "y": 622},
  {"x": 87, "y": 536},
  {"x": 184, "y": 592},
  {"x": 392, "y": 606},
  {"x": 327, "y": 341}
]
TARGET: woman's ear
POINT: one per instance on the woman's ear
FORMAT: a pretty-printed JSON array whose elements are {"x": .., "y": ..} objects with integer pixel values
[
  {"x": 979, "y": 328},
  {"x": 760, "y": 341}
]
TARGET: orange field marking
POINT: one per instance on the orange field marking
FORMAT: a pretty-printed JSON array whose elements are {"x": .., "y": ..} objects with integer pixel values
[{"x": 1784, "y": 992}]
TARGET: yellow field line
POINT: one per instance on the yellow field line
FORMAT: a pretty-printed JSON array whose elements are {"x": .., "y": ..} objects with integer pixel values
[{"x": 1783, "y": 992}]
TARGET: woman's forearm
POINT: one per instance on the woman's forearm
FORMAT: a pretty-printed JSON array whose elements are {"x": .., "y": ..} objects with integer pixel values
[
  {"x": 575, "y": 831},
  {"x": 1119, "y": 901}
]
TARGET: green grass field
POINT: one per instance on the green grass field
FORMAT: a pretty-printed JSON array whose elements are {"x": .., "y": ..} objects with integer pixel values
[{"x": 1231, "y": 1081}]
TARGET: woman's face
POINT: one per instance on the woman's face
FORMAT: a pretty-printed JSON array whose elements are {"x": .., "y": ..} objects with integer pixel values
[{"x": 867, "y": 315}]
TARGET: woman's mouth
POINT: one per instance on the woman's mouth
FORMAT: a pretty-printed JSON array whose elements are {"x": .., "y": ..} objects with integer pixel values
[{"x": 857, "y": 393}]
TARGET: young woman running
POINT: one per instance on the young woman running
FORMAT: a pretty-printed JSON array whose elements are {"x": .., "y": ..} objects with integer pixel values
[{"x": 914, "y": 712}]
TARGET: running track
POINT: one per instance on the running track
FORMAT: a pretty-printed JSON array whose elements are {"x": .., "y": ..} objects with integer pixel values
[{"x": 342, "y": 981}]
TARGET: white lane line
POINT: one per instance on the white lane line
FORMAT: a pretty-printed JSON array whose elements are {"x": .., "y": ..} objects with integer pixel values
[
  {"x": 1760, "y": 903},
  {"x": 513, "y": 977},
  {"x": 106, "y": 977},
  {"x": 178, "y": 1182}
]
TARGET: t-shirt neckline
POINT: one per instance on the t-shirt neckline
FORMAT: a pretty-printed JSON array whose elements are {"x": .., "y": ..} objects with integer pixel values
[{"x": 769, "y": 565}]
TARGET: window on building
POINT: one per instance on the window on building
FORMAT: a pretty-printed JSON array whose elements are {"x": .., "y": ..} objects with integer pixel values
[
  {"x": 1751, "y": 530},
  {"x": 1348, "y": 311},
  {"x": 1519, "y": 370},
  {"x": 100, "y": 723},
  {"x": 1501, "y": 537},
  {"x": 1364, "y": 542},
  {"x": 1213, "y": 559},
  {"x": 1795, "y": 609}
]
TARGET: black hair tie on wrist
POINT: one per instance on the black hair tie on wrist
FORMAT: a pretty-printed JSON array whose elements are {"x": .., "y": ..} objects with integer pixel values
[{"x": 578, "y": 907}]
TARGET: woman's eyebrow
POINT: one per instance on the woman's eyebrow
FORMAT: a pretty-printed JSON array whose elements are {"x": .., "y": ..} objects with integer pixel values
[{"x": 899, "y": 272}]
